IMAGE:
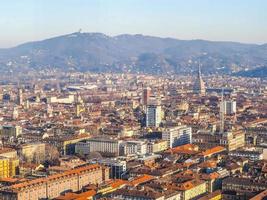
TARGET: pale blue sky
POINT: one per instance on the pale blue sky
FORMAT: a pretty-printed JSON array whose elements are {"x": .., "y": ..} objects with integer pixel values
[{"x": 224, "y": 20}]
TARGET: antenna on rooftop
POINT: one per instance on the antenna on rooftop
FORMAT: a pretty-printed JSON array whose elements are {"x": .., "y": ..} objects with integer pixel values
[{"x": 222, "y": 112}]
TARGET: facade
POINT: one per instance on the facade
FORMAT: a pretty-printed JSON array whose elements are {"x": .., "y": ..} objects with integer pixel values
[
  {"x": 52, "y": 186},
  {"x": 20, "y": 97},
  {"x": 229, "y": 107},
  {"x": 216, "y": 195},
  {"x": 176, "y": 136},
  {"x": 145, "y": 96},
  {"x": 251, "y": 155},
  {"x": 242, "y": 188},
  {"x": 192, "y": 189},
  {"x": 64, "y": 100},
  {"x": 8, "y": 167},
  {"x": 230, "y": 140},
  {"x": 116, "y": 167},
  {"x": 133, "y": 194},
  {"x": 66, "y": 144},
  {"x": 8, "y": 153},
  {"x": 157, "y": 146},
  {"x": 34, "y": 152},
  {"x": 11, "y": 131},
  {"x": 153, "y": 115},
  {"x": 134, "y": 147},
  {"x": 102, "y": 145}
]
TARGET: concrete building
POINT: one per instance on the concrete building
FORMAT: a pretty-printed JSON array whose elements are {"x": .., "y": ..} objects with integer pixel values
[
  {"x": 191, "y": 189},
  {"x": 8, "y": 152},
  {"x": 20, "y": 97},
  {"x": 34, "y": 152},
  {"x": 230, "y": 140},
  {"x": 117, "y": 168},
  {"x": 251, "y": 155},
  {"x": 229, "y": 107},
  {"x": 176, "y": 136},
  {"x": 54, "y": 185},
  {"x": 153, "y": 115},
  {"x": 102, "y": 145},
  {"x": 66, "y": 144},
  {"x": 133, "y": 147},
  {"x": 134, "y": 194},
  {"x": 242, "y": 188},
  {"x": 62, "y": 100},
  {"x": 157, "y": 146},
  {"x": 8, "y": 167},
  {"x": 11, "y": 131},
  {"x": 146, "y": 95}
]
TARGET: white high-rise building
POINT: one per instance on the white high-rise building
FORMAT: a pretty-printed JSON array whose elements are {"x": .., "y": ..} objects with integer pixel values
[
  {"x": 153, "y": 115},
  {"x": 229, "y": 107},
  {"x": 20, "y": 97},
  {"x": 176, "y": 136}
]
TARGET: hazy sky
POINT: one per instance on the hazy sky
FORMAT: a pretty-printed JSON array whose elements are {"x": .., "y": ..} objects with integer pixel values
[{"x": 230, "y": 20}]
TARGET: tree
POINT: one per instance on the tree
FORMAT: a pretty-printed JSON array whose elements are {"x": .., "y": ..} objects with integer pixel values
[{"x": 51, "y": 154}]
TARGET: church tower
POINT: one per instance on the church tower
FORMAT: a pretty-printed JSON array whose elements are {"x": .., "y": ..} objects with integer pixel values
[{"x": 199, "y": 86}]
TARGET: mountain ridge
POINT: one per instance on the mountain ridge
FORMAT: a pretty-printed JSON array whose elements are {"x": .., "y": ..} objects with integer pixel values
[{"x": 132, "y": 53}]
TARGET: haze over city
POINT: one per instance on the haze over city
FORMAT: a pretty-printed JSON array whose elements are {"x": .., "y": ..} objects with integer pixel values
[{"x": 30, "y": 20}]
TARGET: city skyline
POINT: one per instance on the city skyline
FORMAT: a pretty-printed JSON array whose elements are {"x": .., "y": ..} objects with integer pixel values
[
  {"x": 133, "y": 99},
  {"x": 239, "y": 21}
]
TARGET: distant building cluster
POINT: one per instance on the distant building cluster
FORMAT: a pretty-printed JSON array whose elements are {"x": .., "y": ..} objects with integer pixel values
[{"x": 87, "y": 136}]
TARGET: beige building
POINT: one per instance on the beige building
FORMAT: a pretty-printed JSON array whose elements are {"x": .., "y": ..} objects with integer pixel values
[
  {"x": 34, "y": 152},
  {"x": 192, "y": 189},
  {"x": 8, "y": 152},
  {"x": 230, "y": 140},
  {"x": 157, "y": 146},
  {"x": 52, "y": 186}
]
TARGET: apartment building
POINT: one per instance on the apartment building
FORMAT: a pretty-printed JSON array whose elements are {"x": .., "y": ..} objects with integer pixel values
[
  {"x": 157, "y": 146},
  {"x": 102, "y": 145},
  {"x": 242, "y": 188},
  {"x": 8, "y": 167},
  {"x": 230, "y": 140},
  {"x": 10, "y": 131},
  {"x": 52, "y": 186},
  {"x": 133, "y": 147},
  {"x": 176, "y": 136},
  {"x": 34, "y": 152}
]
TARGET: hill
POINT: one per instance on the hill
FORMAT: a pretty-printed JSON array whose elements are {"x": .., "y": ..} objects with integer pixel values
[{"x": 98, "y": 52}]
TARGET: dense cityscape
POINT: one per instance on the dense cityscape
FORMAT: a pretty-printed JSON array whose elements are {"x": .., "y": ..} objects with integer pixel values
[
  {"x": 75, "y": 136},
  {"x": 133, "y": 100}
]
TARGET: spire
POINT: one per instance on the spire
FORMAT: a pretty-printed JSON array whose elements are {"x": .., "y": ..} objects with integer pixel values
[{"x": 199, "y": 86}]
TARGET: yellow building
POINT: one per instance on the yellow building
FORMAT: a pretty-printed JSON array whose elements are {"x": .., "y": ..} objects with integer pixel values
[
  {"x": 217, "y": 195},
  {"x": 191, "y": 189},
  {"x": 8, "y": 167},
  {"x": 13, "y": 166},
  {"x": 157, "y": 146}
]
